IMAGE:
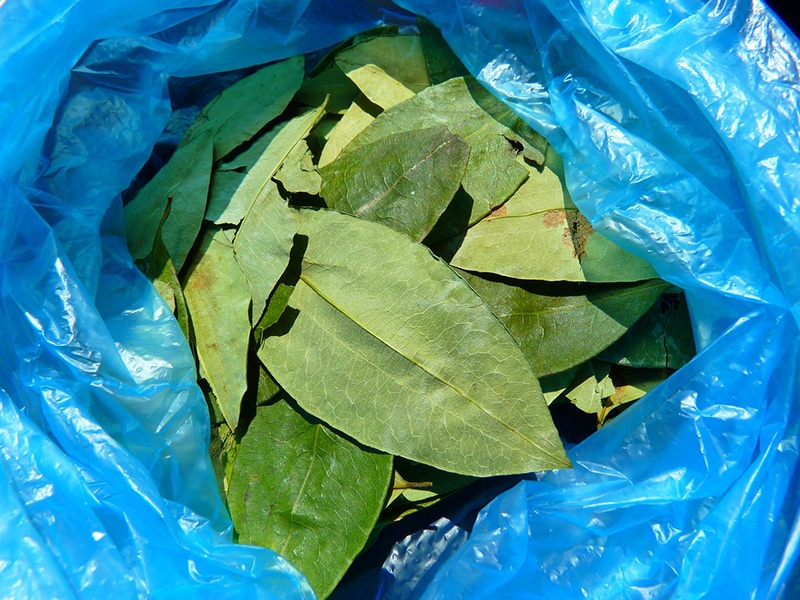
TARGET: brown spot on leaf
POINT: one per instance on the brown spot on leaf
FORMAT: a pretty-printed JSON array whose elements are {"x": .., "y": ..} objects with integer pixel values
[
  {"x": 554, "y": 218},
  {"x": 577, "y": 233},
  {"x": 500, "y": 211}
]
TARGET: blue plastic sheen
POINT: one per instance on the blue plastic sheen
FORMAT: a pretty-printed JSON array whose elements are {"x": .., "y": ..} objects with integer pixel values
[{"x": 680, "y": 129}]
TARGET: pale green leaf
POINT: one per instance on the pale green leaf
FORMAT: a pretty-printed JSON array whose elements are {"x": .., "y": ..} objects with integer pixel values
[
  {"x": 387, "y": 344},
  {"x": 306, "y": 492},
  {"x": 590, "y": 387},
  {"x": 183, "y": 183},
  {"x": 376, "y": 85},
  {"x": 399, "y": 56},
  {"x": 352, "y": 123},
  {"x": 263, "y": 245},
  {"x": 255, "y": 167},
  {"x": 552, "y": 240},
  {"x": 219, "y": 302},
  {"x": 243, "y": 109},
  {"x": 386, "y": 69},
  {"x": 238, "y": 181},
  {"x": 558, "y": 332},
  {"x": 493, "y": 172},
  {"x": 411, "y": 179},
  {"x": 298, "y": 174}
]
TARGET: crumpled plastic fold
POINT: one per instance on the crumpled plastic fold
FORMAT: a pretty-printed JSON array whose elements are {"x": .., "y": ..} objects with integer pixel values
[{"x": 679, "y": 126}]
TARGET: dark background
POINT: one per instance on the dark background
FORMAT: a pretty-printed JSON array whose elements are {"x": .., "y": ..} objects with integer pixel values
[{"x": 787, "y": 10}]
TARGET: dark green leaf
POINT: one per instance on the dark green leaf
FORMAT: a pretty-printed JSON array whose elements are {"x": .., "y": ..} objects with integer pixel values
[
  {"x": 306, "y": 492},
  {"x": 442, "y": 62},
  {"x": 243, "y": 109},
  {"x": 329, "y": 83},
  {"x": 412, "y": 177},
  {"x": 385, "y": 343},
  {"x": 183, "y": 183},
  {"x": 493, "y": 172},
  {"x": 558, "y": 332},
  {"x": 660, "y": 339},
  {"x": 161, "y": 271}
]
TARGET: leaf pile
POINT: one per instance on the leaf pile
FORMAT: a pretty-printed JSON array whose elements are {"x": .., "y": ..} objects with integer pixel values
[{"x": 385, "y": 283}]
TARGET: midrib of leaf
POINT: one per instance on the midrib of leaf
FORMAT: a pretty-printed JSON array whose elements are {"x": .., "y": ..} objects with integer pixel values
[
  {"x": 580, "y": 304},
  {"x": 422, "y": 367},
  {"x": 489, "y": 217},
  {"x": 392, "y": 187},
  {"x": 302, "y": 489},
  {"x": 319, "y": 112}
]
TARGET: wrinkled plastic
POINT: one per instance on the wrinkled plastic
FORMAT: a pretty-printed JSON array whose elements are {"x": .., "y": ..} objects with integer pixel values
[{"x": 679, "y": 126}]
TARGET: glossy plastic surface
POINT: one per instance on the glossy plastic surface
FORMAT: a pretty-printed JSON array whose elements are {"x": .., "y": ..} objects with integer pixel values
[{"x": 679, "y": 125}]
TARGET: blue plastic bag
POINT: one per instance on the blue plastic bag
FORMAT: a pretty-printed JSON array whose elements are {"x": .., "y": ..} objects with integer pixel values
[{"x": 679, "y": 126}]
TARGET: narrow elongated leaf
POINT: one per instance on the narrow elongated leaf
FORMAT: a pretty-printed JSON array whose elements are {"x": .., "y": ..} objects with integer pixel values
[
  {"x": 492, "y": 173},
  {"x": 552, "y": 240},
  {"x": 558, "y": 332},
  {"x": 162, "y": 272},
  {"x": 412, "y": 178},
  {"x": 219, "y": 303},
  {"x": 263, "y": 245},
  {"x": 238, "y": 181},
  {"x": 243, "y": 109},
  {"x": 183, "y": 182},
  {"x": 306, "y": 492},
  {"x": 661, "y": 339},
  {"x": 405, "y": 357},
  {"x": 353, "y": 122}
]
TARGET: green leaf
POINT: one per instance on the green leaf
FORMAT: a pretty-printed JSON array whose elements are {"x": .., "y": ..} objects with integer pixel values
[
  {"x": 387, "y": 69},
  {"x": 298, "y": 173},
  {"x": 591, "y": 385},
  {"x": 558, "y": 332},
  {"x": 387, "y": 344},
  {"x": 493, "y": 172},
  {"x": 660, "y": 339},
  {"x": 238, "y": 181},
  {"x": 219, "y": 302},
  {"x": 183, "y": 183},
  {"x": 328, "y": 83},
  {"x": 442, "y": 62},
  {"x": 277, "y": 304},
  {"x": 306, "y": 492},
  {"x": 243, "y": 109},
  {"x": 630, "y": 385},
  {"x": 263, "y": 245},
  {"x": 553, "y": 241},
  {"x": 352, "y": 123},
  {"x": 162, "y": 272},
  {"x": 412, "y": 177}
]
